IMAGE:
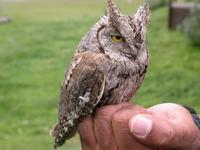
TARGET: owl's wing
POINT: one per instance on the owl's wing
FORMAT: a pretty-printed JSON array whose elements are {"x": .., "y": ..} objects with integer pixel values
[{"x": 79, "y": 97}]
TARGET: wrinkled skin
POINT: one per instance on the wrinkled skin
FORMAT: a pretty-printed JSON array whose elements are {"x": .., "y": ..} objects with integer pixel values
[{"x": 172, "y": 128}]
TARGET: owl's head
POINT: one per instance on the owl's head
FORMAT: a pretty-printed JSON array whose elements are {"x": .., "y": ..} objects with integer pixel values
[{"x": 119, "y": 36}]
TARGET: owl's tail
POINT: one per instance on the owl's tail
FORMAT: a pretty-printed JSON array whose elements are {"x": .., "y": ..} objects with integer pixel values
[{"x": 62, "y": 131}]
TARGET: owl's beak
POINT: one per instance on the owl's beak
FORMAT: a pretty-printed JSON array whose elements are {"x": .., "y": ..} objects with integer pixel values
[{"x": 113, "y": 12}]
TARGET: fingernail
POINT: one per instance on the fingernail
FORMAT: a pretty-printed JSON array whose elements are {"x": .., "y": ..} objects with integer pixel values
[{"x": 140, "y": 126}]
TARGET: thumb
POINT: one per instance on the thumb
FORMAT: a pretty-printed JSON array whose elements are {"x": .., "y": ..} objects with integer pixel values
[{"x": 158, "y": 132}]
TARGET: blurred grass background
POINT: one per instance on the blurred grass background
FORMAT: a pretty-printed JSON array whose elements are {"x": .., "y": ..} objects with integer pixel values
[{"x": 36, "y": 46}]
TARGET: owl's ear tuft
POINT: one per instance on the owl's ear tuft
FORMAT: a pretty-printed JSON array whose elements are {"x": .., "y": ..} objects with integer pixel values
[
  {"x": 143, "y": 14},
  {"x": 112, "y": 11}
]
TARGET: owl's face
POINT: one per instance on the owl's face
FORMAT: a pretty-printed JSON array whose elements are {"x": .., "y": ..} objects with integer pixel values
[
  {"x": 114, "y": 44},
  {"x": 118, "y": 36}
]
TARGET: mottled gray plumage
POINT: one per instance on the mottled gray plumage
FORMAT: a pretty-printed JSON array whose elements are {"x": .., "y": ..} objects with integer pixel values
[{"x": 108, "y": 68}]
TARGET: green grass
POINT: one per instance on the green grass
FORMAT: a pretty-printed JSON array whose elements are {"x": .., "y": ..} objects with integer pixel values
[{"x": 36, "y": 47}]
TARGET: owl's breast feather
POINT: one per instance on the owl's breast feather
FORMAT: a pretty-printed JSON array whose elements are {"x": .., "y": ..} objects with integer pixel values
[{"x": 122, "y": 78}]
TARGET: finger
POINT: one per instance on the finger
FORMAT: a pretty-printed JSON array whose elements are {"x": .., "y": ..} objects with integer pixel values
[
  {"x": 103, "y": 126},
  {"x": 87, "y": 136},
  {"x": 120, "y": 123},
  {"x": 167, "y": 126}
]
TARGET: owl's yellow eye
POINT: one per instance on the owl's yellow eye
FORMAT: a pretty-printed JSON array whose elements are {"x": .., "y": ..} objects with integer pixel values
[{"x": 117, "y": 39}]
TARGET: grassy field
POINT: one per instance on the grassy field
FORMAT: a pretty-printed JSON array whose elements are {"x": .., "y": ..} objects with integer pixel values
[{"x": 40, "y": 41}]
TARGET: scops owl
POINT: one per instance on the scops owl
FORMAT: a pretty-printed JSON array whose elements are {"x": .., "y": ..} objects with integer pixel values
[{"x": 108, "y": 67}]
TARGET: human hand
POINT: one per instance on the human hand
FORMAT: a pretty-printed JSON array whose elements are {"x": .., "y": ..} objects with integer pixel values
[{"x": 131, "y": 127}]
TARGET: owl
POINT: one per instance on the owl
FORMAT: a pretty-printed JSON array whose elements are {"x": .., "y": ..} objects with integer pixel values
[{"x": 108, "y": 67}]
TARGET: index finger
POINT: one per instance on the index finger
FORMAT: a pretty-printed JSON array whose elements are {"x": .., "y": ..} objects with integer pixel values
[{"x": 103, "y": 126}]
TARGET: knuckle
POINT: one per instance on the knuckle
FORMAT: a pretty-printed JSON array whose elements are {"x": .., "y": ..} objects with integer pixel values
[
  {"x": 119, "y": 116},
  {"x": 102, "y": 113},
  {"x": 126, "y": 113},
  {"x": 106, "y": 112}
]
